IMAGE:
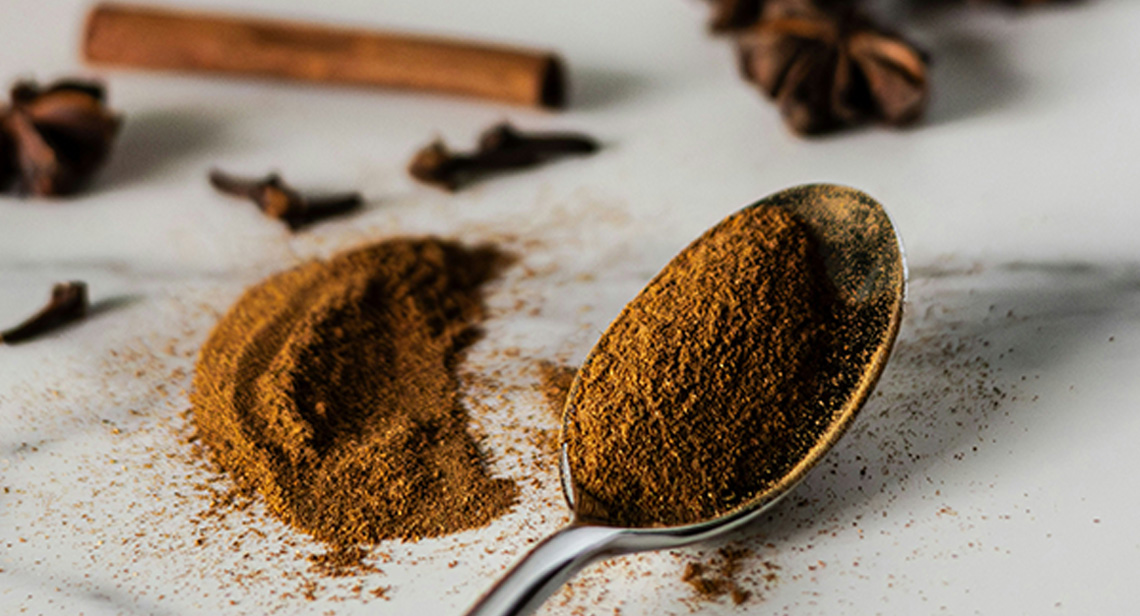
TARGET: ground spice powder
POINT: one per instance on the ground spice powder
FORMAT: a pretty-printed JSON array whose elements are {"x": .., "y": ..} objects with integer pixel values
[
  {"x": 695, "y": 398},
  {"x": 555, "y": 385},
  {"x": 718, "y": 578},
  {"x": 330, "y": 390}
]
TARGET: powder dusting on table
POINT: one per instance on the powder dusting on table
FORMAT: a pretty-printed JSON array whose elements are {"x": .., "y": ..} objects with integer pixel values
[
  {"x": 715, "y": 579},
  {"x": 555, "y": 386}
]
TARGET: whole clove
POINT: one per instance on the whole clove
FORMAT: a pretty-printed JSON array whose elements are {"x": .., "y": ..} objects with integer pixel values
[
  {"x": 834, "y": 69},
  {"x": 68, "y": 303},
  {"x": 437, "y": 165},
  {"x": 501, "y": 148},
  {"x": 503, "y": 136},
  {"x": 53, "y": 139},
  {"x": 279, "y": 200}
]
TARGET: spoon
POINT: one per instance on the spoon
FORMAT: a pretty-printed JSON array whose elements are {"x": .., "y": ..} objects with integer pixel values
[{"x": 862, "y": 258}]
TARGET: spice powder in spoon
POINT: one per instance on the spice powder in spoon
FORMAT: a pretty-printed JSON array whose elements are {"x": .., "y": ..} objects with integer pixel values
[
  {"x": 330, "y": 391},
  {"x": 705, "y": 390}
]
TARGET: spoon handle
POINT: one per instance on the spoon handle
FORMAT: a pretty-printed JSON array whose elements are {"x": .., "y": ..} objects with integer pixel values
[{"x": 549, "y": 565}]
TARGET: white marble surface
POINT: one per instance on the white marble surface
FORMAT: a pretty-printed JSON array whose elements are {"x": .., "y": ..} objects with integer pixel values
[{"x": 991, "y": 474}]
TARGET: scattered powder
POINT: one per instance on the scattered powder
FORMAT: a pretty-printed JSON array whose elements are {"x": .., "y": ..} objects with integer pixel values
[
  {"x": 718, "y": 578},
  {"x": 349, "y": 560},
  {"x": 556, "y": 382}
]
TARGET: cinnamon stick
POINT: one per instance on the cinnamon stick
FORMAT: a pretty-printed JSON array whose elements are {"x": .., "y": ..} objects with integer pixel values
[{"x": 154, "y": 38}]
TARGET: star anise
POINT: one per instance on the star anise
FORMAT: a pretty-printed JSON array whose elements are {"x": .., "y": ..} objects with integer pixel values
[
  {"x": 829, "y": 70},
  {"x": 53, "y": 139}
]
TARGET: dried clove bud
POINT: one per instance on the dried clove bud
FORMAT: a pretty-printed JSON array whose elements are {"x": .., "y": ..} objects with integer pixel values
[
  {"x": 831, "y": 70},
  {"x": 435, "y": 164},
  {"x": 53, "y": 139},
  {"x": 279, "y": 200},
  {"x": 68, "y": 303},
  {"x": 501, "y": 148},
  {"x": 503, "y": 136}
]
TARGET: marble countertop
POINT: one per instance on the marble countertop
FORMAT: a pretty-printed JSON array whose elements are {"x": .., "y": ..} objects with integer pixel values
[{"x": 988, "y": 474}]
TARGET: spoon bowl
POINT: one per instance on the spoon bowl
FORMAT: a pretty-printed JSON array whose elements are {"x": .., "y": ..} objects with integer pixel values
[{"x": 863, "y": 261}]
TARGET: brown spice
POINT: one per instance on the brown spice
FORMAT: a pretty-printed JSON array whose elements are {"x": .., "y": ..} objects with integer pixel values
[
  {"x": 157, "y": 38},
  {"x": 68, "y": 303},
  {"x": 717, "y": 578},
  {"x": 556, "y": 382},
  {"x": 330, "y": 390},
  {"x": 52, "y": 139},
  {"x": 697, "y": 388},
  {"x": 831, "y": 69},
  {"x": 279, "y": 200},
  {"x": 501, "y": 147},
  {"x": 342, "y": 561}
]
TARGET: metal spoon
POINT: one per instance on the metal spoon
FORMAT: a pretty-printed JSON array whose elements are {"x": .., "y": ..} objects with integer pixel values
[{"x": 863, "y": 259}]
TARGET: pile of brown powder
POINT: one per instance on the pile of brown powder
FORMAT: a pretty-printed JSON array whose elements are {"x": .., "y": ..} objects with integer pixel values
[
  {"x": 695, "y": 398},
  {"x": 330, "y": 390}
]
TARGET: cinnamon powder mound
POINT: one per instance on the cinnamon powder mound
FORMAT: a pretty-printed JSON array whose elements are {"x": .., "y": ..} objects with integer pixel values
[
  {"x": 330, "y": 391},
  {"x": 695, "y": 400}
]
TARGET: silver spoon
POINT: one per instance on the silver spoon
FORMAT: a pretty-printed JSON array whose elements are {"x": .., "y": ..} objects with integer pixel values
[{"x": 863, "y": 259}]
